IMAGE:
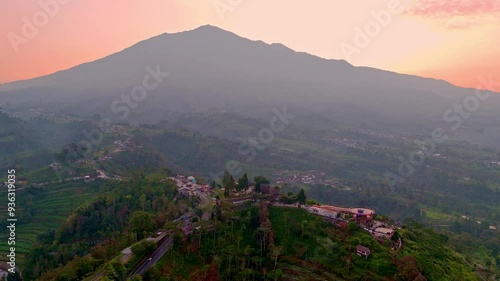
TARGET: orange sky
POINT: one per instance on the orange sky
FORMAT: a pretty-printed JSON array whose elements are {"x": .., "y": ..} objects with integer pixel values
[{"x": 455, "y": 40}]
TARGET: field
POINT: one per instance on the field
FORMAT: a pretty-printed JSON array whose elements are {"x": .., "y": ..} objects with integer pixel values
[{"x": 40, "y": 211}]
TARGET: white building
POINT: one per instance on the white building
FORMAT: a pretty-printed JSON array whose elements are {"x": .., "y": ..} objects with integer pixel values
[
  {"x": 383, "y": 232},
  {"x": 324, "y": 212}
]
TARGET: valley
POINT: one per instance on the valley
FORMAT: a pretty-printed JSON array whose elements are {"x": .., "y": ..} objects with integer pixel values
[
  {"x": 204, "y": 156},
  {"x": 329, "y": 173}
]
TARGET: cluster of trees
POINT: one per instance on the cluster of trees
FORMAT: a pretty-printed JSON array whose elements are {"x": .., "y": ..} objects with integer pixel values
[
  {"x": 229, "y": 183},
  {"x": 240, "y": 247},
  {"x": 290, "y": 198},
  {"x": 435, "y": 259},
  {"x": 108, "y": 224},
  {"x": 271, "y": 243}
]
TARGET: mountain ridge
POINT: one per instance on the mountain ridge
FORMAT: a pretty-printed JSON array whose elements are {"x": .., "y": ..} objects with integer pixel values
[
  {"x": 212, "y": 29},
  {"x": 210, "y": 67}
]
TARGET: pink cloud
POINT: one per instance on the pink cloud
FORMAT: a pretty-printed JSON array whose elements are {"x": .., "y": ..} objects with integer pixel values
[
  {"x": 456, "y": 14},
  {"x": 453, "y": 8}
]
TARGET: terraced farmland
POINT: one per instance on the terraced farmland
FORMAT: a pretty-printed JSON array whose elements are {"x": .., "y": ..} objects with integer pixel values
[{"x": 48, "y": 209}]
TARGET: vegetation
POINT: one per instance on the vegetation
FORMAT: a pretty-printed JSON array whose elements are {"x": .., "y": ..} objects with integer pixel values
[
  {"x": 262, "y": 243},
  {"x": 66, "y": 223}
]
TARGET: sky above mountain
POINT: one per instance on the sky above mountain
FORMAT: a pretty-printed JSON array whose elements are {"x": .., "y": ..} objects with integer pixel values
[{"x": 455, "y": 40}]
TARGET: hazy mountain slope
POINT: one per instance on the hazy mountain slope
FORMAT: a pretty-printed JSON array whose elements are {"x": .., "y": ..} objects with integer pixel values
[{"x": 211, "y": 68}]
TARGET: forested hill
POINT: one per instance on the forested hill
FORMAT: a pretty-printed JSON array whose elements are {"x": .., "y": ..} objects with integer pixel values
[{"x": 14, "y": 138}]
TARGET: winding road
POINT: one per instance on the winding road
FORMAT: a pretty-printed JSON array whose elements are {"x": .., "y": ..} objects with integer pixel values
[{"x": 154, "y": 258}]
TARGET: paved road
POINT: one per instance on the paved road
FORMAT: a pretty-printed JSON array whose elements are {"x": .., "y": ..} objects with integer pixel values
[{"x": 154, "y": 258}]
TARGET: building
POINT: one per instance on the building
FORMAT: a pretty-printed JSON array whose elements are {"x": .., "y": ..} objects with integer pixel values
[
  {"x": 324, "y": 212},
  {"x": 185, "y": 191},
  {"x": 55, "y": 166},
  {"x": 362, "y": 215},
  {"x": 363, "y": 251},
  {"x": 382, "y": 232},
  {"x": 23, "y": 182},
  {"x": 187, "y": 228},
  {"x": 191, "y": 179}
]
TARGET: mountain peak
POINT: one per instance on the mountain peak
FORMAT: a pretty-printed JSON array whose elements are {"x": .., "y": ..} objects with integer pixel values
[{"x": 209, "y": 27}]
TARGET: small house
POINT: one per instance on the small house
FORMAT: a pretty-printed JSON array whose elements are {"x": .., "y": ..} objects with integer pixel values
[
  {"x": 191, "y": 179},
  {"x": 382, "y": 232},
  {"x": 184, "y": 191},
  {"x": 187, "y": 229},
  {"x": 363, "y": 251}
]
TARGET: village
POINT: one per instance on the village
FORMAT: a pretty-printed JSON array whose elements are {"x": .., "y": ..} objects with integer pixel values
[
  {"x": 312, "y": 177},
  {"x": 339, "y": 216}
]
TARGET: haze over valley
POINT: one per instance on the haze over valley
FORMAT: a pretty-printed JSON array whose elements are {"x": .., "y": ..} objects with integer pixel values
[{"x": 201, "y": 154}]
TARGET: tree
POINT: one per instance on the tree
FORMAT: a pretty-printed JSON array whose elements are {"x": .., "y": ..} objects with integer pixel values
[
  {"x": 116, "y": 271},
  {"x": 275, "y": 252},
  {"x": 311, "y": 202},
  {"x": 142, "y": 199},
  {"x": 227, "y": 180},
  {"x": 408, "y": 269},
  {"x": 212, "y": 273},
  {"x": 301, "y": 196},
  {"x": 141, "y": 221},
  {"x": 144, "y": 247},
  {"x": 152, "y": 274},
  {"x": 275, "y": 274},
  {"x": 303, "y": 226},
  {"x": 14, "y": 277},
  {"x": 352, "y": 228},
  {"x": 242, "y": 182},
  {"x": 260, "y": 180}
]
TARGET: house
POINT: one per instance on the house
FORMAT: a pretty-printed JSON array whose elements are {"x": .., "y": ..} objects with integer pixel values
[
  {"x": 184, "y": 191},
  {"x": 363, "y": 251},
  {"x": 55, "y": 166},
  {"x": 362, "y": 215},
  {"x": 382, "y": 232},
  {"x": 341, "y": 224},
  {"x": 191, "y": 179},
  {"x": 325, "y": 212},
  {"x": 23, "y": 182},
  {"x": 187, "y": 228}
]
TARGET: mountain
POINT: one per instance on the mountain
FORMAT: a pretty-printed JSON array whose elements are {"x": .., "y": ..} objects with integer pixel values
[{"x": 210, "y": 69}]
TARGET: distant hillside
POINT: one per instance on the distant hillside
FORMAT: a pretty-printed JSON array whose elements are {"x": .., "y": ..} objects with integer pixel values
[
  {"x": 14, "y": 137},
  {"x": 212, "y": 69}
]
